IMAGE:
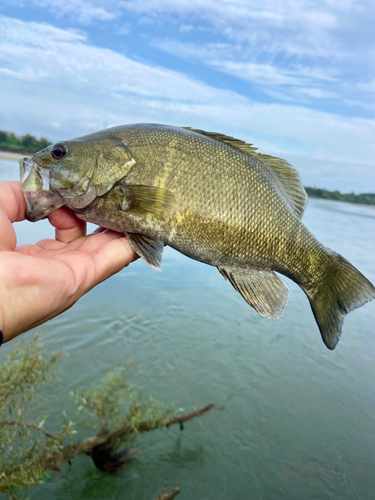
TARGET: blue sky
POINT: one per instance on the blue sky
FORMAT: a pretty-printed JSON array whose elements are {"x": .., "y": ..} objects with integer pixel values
[{"x": 296, "y": 78}]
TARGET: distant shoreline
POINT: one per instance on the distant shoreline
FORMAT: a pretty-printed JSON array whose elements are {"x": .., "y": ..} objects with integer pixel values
[
  {"x": 326, "y": 194},
  {"x": 9, "y": 155},
  {"x": 341, "y": 201}
]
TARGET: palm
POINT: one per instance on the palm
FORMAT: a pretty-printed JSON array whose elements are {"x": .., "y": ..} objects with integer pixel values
[{"x": 39, "y": 281}]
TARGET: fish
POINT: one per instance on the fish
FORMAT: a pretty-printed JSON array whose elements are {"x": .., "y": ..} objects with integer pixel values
[{"x": 213, "y": 198}]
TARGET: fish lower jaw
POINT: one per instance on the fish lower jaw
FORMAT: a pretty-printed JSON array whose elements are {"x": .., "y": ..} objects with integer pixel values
[{"x": 40, "y": 204}]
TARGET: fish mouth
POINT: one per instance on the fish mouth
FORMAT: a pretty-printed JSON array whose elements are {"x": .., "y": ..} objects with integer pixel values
[
  {"x": 35, "y": 183},
  {"x": 40, "y": 205}
]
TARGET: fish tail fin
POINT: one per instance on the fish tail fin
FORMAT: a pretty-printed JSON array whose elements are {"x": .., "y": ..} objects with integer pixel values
[{"x": 344, "y": 290}]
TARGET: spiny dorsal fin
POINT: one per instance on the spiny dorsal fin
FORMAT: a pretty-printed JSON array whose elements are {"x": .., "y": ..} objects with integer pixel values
[
  {"x": 231, "y": 141},
  {"x": 292, "y": 189}
]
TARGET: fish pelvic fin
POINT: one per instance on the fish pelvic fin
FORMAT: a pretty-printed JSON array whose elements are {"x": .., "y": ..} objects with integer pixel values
[
  {"x": 344, "y": 290},
  {"x": 263, "y": 290},
  {"x": 149, "y": 249}
]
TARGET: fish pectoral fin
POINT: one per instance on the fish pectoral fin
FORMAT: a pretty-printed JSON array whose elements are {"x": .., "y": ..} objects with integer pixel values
[
  {"x": 149, "y": 249},
  {"x": 265, "y": 291},
  {"x": 159, "y": 202}
]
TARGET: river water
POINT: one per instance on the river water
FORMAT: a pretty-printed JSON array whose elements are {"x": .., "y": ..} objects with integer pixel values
[{"x": 297, "y": 420}]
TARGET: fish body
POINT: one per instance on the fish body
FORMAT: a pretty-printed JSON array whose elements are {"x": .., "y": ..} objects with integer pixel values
[
  {"x": 209, "y": 196},
  {"x": 231, "y": 210}
]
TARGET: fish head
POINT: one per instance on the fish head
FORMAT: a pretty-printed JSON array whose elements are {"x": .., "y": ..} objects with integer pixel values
[{"x": 73, "y": 173}]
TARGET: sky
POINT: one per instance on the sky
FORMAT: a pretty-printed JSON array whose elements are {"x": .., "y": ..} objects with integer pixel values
[{"x": 295, "y": 78}]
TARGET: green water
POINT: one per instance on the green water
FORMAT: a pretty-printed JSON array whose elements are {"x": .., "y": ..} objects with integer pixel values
[{"x": 298, "y": 421}]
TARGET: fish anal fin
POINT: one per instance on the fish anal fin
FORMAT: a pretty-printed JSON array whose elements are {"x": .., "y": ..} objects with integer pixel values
[
  {"x": 149, "y": 249},
  {"x": 263, "y": 290},
  {"x": 159, "y": 202}
]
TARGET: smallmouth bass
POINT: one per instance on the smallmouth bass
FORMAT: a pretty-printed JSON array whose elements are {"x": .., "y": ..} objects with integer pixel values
[{"x": 211, "y": 197}]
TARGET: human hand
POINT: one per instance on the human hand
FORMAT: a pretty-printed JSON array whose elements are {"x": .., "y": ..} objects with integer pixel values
[{"x": 38, "y": 282}]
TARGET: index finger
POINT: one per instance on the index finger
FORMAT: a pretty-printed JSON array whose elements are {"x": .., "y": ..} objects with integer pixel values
[
  {"x": 12, "y": 200},
  {"x": 68, "y": 226}
]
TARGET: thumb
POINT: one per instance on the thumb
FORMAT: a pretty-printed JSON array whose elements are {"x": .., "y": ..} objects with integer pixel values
[{"x": 12, "y": 200}]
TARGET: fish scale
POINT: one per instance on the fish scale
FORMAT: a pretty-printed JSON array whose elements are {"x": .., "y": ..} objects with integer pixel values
[
  {"x": 213, "y": 198},
  {"x": 225, "y": 164}
]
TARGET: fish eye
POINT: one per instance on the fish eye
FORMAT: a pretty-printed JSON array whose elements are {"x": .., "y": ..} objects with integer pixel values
[{"x": 59, "y": 150}]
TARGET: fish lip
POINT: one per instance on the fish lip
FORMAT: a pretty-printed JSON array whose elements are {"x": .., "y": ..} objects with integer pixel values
[
  {"x": 35, "y": 160},
  {"x": 39, "y": 202},
  {"x": 27, "y": 165}
]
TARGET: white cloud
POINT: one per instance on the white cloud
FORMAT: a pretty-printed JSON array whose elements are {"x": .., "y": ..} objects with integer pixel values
[
  {"x": 306, "y": 26},
  {"x": 368, "y": 86},
  {"x": 185, "y": 28},
  {"x": 83, "y": 11},
  {"x": 123, "y": 30},
  {"x": 294, "y": 27},
  {"x": 269, "y": 43},
  {"x": 318, "y": 93},
  {"x": 224, "y": 57},
  {"x": 292, "y": 42},
  {"x": 60, "y": 86},
  {"x": 30, "y": 51},
  {"x": 287, "y": 84}
]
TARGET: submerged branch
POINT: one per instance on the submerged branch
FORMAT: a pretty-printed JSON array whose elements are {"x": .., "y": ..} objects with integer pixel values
[
  {"x": 107, "y": 439},
  {"x": 4, "y": 423},
  {"x": 170, "y": 495}
]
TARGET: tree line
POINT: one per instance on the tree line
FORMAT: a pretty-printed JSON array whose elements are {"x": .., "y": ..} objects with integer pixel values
[
  {"x": 25, "y": 144},
  {"x": 364, "y": 198}
]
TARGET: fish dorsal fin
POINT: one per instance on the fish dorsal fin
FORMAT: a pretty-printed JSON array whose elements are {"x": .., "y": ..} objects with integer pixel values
[
  {"x": 291, "y": 183},
  {"x": 293, "y": 191},
  {"x": 231, "y": 141}
]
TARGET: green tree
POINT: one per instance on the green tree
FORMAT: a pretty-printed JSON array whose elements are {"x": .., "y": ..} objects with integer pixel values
[
  {"x": 26, "y": 144},
  {"x": 363, "y": 199}
]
